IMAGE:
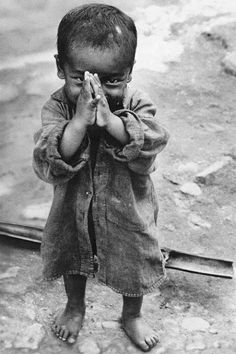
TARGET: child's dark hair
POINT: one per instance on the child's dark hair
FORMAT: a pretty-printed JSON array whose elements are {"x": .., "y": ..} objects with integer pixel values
[{"x": 99, "y": 26}]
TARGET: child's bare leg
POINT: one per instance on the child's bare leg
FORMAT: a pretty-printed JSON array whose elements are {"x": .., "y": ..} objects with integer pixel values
[
  {"x": 134, "y": 326},
  {"x": 67, "y": 324}
]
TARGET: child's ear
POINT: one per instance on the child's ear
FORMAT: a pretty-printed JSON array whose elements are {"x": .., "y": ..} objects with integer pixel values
[
  {"x": 129, "y": 77},
  {"x": 60, "y": 71},
  {"x": 130, "y": 73}
]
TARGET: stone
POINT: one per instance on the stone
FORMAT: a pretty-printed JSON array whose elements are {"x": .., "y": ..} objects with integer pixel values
[
  {"x": 213, "y": 330},
  {"x": 88, "y": 346},
  {"x": 117, "y": 346},
  {"x": 191, "y": 189},
  {"x": 216, "y": 345},
  {"x": 208, "y": 175},
  {"x": 195, "y": 324},
  {"x": 232, "y": 153},
  {"x": 195, "y": 221},
  {"x": 229, "y": 63},
  {"x": 169, "y": 227},
  {"x": 30, "y": 313},
  {"x": 30, "y": 337},
  {"x": 180, "y": 173},
  {"x": 228, "y": 213},
  {"x": 189, "y": 167},
  {"x": 110, "y": 325},
  {"x": 160, "y": 350},
  {"x": 10, "y": 273},
  {"x": 8, "y": 93},
  {"x": 214, "y": 128},
  {"x": 196, "y": 344}
]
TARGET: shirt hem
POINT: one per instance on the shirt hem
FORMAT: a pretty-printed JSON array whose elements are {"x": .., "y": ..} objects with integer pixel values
[{"x": 151, "y": 289}]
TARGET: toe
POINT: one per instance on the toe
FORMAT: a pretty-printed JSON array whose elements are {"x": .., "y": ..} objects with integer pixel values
[
  {"x": 155, "y": 338},
  {"x": 65, "y": 335},
  {"x": 61, "y": 333},
  {"x": 144, "y": 346},
  {"x": 71, "y": 339},
  {"x": 149, "y": 342},
  {"x": 153, "y": 341}
]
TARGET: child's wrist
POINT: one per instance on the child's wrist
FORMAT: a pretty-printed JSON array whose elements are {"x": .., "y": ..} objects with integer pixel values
[
  {"x": 110, "y": 121},
  {"x": 78, "y": 124}
]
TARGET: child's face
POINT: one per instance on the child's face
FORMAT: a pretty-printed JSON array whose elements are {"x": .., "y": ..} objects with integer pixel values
[{"x": 108, "y": 64}]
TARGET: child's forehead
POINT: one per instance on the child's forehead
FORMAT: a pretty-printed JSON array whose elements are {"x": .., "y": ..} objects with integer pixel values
[{"x": 101, "y": 61}]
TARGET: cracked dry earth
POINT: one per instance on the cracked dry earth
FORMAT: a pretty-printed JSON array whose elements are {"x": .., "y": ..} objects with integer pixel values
[{"x": 192, "y": 80}]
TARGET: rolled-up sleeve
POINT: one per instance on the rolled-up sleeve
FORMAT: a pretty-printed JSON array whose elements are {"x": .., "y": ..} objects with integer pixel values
[
  {"x": 147, "y": 137},
  {"x": 47, "y": 159}
]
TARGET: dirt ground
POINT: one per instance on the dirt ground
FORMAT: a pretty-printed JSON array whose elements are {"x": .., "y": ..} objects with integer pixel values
[{"x": 183, "y": 64}]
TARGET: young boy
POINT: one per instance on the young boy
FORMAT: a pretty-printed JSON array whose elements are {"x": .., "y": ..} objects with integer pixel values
[{"x": 97, "y": 147}]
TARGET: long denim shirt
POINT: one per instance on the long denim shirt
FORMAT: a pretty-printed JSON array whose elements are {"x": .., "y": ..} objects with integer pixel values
[{"x": 118, "y": 191}]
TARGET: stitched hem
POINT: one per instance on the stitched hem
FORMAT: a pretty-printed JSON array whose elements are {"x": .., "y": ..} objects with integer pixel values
[
  {"x": 151, "y": 289},
  {"x": 70, "y": 272}
]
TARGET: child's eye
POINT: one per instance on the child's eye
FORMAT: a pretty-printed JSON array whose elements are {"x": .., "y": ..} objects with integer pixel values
[
  {"x": 113, "y": 81},
  {"x": 79, "y": 79}
]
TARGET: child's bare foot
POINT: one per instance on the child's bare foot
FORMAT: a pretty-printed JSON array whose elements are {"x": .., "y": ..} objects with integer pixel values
[
  {"x": 66, "y": 325},
  {"x": 140, "y": 333}
]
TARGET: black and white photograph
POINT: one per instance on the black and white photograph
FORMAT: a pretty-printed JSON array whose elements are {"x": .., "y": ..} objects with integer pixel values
[{"x": 117, "y": 177}]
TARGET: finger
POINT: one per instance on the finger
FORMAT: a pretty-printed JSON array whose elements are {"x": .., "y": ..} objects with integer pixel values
[
  {"x": 97, "y": 79},
  {"x": 99, "y": 84},
  {"x": 86, "y": 82},
  {"x": 95, "y": 85}
]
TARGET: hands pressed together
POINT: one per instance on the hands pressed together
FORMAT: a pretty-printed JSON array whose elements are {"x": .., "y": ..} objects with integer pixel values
[{"x": 92, "y": 107}]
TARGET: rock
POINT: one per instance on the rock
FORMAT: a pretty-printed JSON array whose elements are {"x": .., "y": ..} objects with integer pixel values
[
  {"x": 110, "y": 325},
  {"x": 195, "y": 221},
  {"x": 30, "y": 313},
  {"x": 228, "y": 213},
  {"x": 213, "y": 330},
  {"x": 181, "y": 173},
  {"x": 195, "y": 324},
  {"x": 160, "y": 350},
  {"x": 10, "y": 273},
  {"x": 229, "y": 63},
  {"x": 8, "y": 93},
  {"x": 232, "y": 153},
  {"x": 216, "y": 345},
  {"x": 214, "y": 128},
  {"x": 196, "y": 344},
  {"x": 37, "y": 211},
  {"x": 191, "y": 189},
  {"x": 189, "y": 167},
  {"x": 117, "y": 346},
  {"x": 169, "y": 227},
  {"x": 88, "y": 346},
  {"x": 208, "y": 175},
  {"x": 30, "y": 337}
]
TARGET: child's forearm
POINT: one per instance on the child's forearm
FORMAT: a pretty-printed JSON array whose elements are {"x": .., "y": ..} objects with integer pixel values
[
  {"x": 116, "y": 128},
  {"x": 72, "y": 138}
]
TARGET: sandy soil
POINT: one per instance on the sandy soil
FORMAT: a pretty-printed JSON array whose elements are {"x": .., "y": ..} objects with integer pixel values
[{"x": 179, "y": 63}]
